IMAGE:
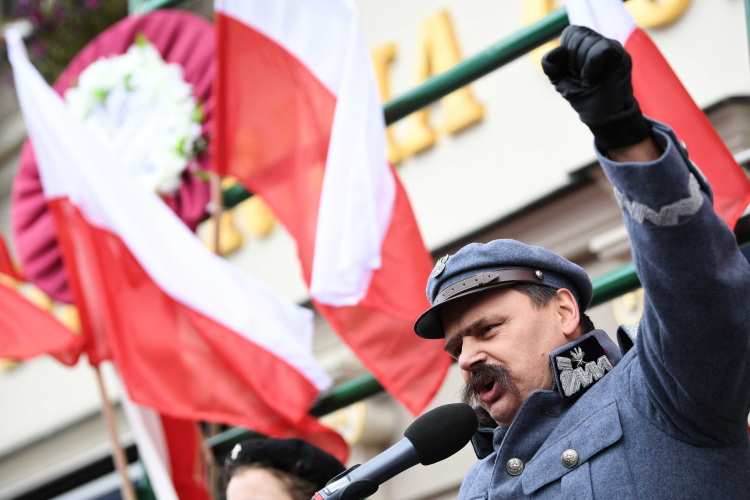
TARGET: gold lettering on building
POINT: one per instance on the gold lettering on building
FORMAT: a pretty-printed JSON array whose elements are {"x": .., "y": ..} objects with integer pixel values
[
  {"x": 350, "y": 422},
  {"x": 532, "y": 11},
  {"x": 68, "y": 315},
  {"x": 657, "y": 14},
  {"x": 437, "y": 52},
  {"x": 256, "y": 217},
  {"x": 230, "y": 239},
  {"x": 629, "y": 307},
  {"x": 382, "y": 57}
]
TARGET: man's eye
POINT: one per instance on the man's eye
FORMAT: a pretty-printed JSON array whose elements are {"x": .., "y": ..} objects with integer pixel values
[
  {"x": 487, "y": 329},
  {"x": 457, "y": 353}
]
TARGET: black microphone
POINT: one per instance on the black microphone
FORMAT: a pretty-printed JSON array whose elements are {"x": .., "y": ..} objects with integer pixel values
[{"x": 433, "y": 437}]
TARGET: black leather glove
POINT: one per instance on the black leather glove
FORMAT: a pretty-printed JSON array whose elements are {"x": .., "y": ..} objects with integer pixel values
[{"x": 593, "y": 74}]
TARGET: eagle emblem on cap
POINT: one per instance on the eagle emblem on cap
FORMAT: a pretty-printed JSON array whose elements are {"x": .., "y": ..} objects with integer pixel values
[{"x": 440, "y": 266}]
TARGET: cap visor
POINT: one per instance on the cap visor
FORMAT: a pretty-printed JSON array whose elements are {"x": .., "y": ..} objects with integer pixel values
[{"x": 430, "y": 324}]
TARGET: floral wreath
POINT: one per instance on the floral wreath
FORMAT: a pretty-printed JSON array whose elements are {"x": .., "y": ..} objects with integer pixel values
[
  {"x": 162, "y": 60},
  {"x": 140, "y": 106}
]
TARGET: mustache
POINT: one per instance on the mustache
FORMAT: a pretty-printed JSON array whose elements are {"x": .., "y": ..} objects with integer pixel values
[{"x": 484, "y": 375}]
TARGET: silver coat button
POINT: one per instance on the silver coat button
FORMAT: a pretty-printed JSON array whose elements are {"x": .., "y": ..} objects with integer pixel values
[
  {"x": 570, "y": 458},
  {"x": 514, "y": 466}
]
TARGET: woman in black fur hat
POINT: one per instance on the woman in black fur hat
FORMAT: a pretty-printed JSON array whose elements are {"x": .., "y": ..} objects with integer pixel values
[{"x": 277, "y": 469}]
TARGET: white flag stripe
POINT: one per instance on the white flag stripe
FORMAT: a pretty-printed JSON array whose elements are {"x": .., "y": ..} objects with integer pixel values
[
  {"x": 610, "y": 19},
  {"x": 152, "y": 446},
  {"x": 358, "y": 186},
  {"x": 73, "y": 164},
  {"x": 358, "y": 193}
]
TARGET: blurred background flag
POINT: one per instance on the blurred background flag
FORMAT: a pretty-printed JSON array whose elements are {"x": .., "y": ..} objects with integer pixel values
[
  {"x": 299, "y": 121},
  {"x": 27, "y": 331},
  {"x": 663, "y": 97},
  {"x": 191, "y": 336},
  {"x": 6, "y": 263},
  {"x": 170, "y": 449}
]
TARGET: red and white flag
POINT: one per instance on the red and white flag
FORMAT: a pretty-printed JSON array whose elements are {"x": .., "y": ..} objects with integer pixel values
[
  {"x": 170, "y": 449},
  {"x": 662, "y": 97},
  {"x": 26, "y": 331},
  {"x": 191, "y": 336},
  {"x": 299, "y": 121}
]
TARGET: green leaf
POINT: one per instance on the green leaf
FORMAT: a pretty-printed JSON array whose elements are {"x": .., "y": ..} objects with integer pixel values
[
  {"x": 141, "y": 40},
  {"x": 197, "y": 116},
  {"x": 100, "y": 95},
  {"x": 202, "y": 174}
]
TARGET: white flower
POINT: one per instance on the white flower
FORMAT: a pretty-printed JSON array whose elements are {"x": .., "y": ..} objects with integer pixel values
[
  {"x": 145, "y": 111},
  {"x": 80, "y": 101},
  {"x": 100, "y": 75}
]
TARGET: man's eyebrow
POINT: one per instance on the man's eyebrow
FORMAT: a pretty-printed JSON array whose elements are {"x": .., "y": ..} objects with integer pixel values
[
  {"x": 487, "y": 320},
  {"x": 451, "y": 343}
]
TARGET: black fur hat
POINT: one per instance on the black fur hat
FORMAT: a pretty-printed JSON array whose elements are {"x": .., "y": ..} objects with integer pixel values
[{"x": 293, "y": 456}]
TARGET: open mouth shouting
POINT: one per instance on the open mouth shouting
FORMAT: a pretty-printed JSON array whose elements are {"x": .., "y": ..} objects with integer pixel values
[
  {"x": 487, "y": 384},
  {"x": 487, "y": 388}
]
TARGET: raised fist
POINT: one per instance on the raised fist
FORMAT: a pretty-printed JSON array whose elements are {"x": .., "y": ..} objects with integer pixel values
[{"x": 593, "y": 74}]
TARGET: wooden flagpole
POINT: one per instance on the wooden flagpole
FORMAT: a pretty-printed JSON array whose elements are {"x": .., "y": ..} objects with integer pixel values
[
  {"x": 118, "y": 454},
  {"x": 217, "y": 204},
  {"x": 209, "y": 460}
]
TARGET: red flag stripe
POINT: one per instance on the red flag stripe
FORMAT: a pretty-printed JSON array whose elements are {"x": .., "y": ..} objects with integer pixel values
[
  {"x": 188, "y": 468},
  {"x": 27, "y": 331},
  {"x": 663, "y": 97}
]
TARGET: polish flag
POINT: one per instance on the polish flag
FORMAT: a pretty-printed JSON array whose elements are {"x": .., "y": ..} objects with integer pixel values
[
  {"x": 170, "y": 450},
  {"x": 299, "y": 121},
  {"x": 662, "y": 97},
  {"x": 27, "y": 331},
  {"x": 192, "y": 337}
]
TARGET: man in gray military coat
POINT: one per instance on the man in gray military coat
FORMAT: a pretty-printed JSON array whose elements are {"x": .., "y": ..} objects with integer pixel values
[{"x": 568, "y": 413}]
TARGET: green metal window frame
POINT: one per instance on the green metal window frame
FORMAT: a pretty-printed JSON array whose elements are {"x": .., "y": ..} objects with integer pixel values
[
  {"x": 606, "y": 287},
  {"x": 143, "y": 6}
]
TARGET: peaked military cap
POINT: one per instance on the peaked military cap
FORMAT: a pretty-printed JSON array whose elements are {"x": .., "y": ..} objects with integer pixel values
[{"x": 479, "y": 267}]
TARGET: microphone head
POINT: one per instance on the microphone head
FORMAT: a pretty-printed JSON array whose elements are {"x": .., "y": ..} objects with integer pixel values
[{"x": 442, "y": 432}]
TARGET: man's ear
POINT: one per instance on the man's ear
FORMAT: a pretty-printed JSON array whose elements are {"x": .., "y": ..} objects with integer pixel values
[{"x": 567, "y": 310}]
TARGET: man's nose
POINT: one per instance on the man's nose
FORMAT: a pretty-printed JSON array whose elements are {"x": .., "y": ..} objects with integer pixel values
[{"x": 471, "y": 355}]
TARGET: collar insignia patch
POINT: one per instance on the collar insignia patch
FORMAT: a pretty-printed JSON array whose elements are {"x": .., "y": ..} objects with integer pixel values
[
  {"x": 578, "y": 369},
  {"x": 440, "y": 266}
]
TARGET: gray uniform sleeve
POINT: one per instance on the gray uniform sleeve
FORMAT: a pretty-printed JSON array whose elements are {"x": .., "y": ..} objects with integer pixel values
[{"x": 692, "y": 373}]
